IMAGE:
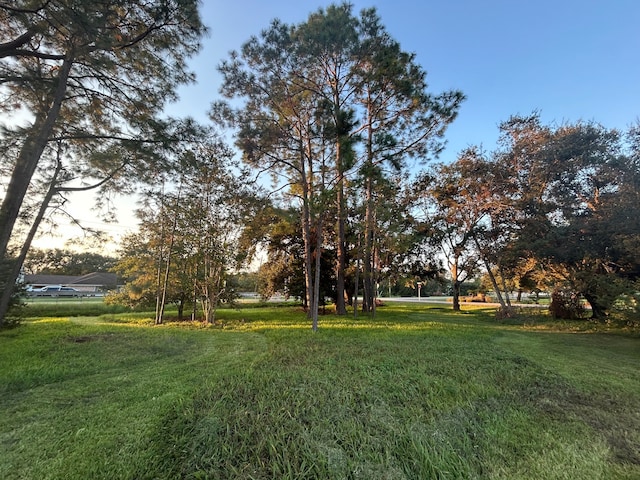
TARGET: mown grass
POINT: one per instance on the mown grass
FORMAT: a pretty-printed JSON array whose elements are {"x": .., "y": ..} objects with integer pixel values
[
  {"x": 418, "y": 392},
  {"x": 69, "y": 307}
]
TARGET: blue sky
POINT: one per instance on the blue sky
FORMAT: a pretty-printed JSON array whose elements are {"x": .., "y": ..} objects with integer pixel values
[{"x": 570, "y": 60}]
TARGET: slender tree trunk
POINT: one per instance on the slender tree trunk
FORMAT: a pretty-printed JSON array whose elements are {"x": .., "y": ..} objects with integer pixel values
[
  {"x": 367, "y": 263},
  {"x": 504, "y": 286},
  {"x": 308, "y": 265},
  {"x": 214, "y": 288},
  {"x": 341, "y": 256},
  {"x": 28, "y": 159},
  {"x": 316, "y": 285},
  {"x": 194, "y": 312},
  {"x": 206, "y": 297},
  {"x": 160, "y": 253},
  {"x": 368, "y": 296},
  {"x": 357, "y": 287},
  {"x": 456, "y": 286},
  {"x": 375, "y": 270},
  {"x": 496, "y": 288},
  {"x": 305, "y": 183},
  {"x": 16, "y": 265},
  {"x": 181, "y": 307},
  {"x": 308, "y": 257},
  {"x": 165, "y": 281},
  {"x": 492, "y": 277},
  {"x": 341, "y": 259},
  {"x": 207, "y": 293}
]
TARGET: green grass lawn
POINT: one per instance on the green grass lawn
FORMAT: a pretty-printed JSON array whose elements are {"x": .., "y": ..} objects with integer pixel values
[{"x": 419, "y": 392}]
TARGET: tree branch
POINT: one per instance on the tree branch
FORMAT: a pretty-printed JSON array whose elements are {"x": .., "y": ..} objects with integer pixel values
[
  {"x": 8, "y": 7},
  {"x": 95, "y": 185},
  {"x": 17, "y": 52},
  {"x": 17, "y": 43}
]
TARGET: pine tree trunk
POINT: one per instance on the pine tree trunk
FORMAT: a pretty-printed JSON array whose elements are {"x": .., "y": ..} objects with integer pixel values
[
  {"x": 341, "y": 251},
  {"x": 16, "y": 265},
  {"x": 357, "y": 279},
  {"x": 367, "y": 262},
  {"x": 316, "y": 285},
  {"x": 26, "y": 164},
  {"x": 306, "y": 234},
  {"x": 374, "y": 277}
]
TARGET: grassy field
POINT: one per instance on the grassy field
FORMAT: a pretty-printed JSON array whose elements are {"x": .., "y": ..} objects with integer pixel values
[{"x": 419, "y": 392}]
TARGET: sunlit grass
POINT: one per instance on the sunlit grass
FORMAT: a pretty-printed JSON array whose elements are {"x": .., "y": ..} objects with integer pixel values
[{"x": 415, "y": 392}]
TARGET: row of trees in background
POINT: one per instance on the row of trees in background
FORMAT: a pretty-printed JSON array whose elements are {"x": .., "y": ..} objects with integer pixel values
[
  {"x": 553, "y": 208},
  {"x": 333, "y": 109},
  {"x": 66, "y": 262},
  {"x": 341, "y": 119}
]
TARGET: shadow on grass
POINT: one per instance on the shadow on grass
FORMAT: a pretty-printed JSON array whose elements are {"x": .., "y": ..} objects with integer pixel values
[
  {"x": 390, "y": 316},
  {"x": 379, "y": 397},
  {"x": 416, "y": 391}
]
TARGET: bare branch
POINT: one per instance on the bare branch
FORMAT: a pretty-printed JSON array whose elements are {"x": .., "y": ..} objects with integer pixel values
[
  {"x": 8, "y": 7},
  {"x": 95, "y": 185},
  {"x": 17, "y": 43},
  {"x": 29, "y": 53}
]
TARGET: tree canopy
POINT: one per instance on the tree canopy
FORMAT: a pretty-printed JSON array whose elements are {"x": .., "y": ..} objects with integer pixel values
[
  {"x": 325, "y": 103},
  {"x": 91, "y": 79},
  {"x": 558, "y": 199},
  {"x": 343, "y": 121}
]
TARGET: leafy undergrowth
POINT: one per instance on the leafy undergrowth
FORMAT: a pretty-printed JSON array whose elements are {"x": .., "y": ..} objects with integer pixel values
[{"x": 417, "y": 392}]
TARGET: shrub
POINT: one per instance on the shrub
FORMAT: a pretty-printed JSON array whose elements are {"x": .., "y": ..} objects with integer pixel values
[
  {"x": 566, "y": 304},
  {"x": 16, "y": 312},
  {"x": 503, "y": 313},
  {"x": 627, "y": 309}
]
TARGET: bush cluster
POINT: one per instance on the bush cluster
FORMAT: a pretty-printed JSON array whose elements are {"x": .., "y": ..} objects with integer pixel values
[{"x": 566, "y": 304}]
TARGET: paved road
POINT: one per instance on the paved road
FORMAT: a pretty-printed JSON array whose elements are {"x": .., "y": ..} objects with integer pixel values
[{"x": 448, "y": 300}]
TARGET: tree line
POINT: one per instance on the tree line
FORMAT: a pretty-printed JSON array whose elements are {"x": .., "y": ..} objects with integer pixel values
[
  {"x": 341, "y": 120},
  {"x": 554, "y": 207}
]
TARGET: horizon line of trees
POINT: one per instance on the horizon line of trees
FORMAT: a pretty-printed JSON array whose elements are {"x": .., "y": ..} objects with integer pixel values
[
  {"x": 554, "y": 208},
  {"x": 342, "y": 121}
]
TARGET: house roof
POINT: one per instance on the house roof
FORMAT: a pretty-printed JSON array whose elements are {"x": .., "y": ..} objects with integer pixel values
[
  {"x": 95, "y": 278},
  {"x": 49, "y": 279}
]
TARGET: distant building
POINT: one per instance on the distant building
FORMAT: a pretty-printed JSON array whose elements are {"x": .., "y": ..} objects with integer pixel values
[{"x": 89, "y": 284}]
